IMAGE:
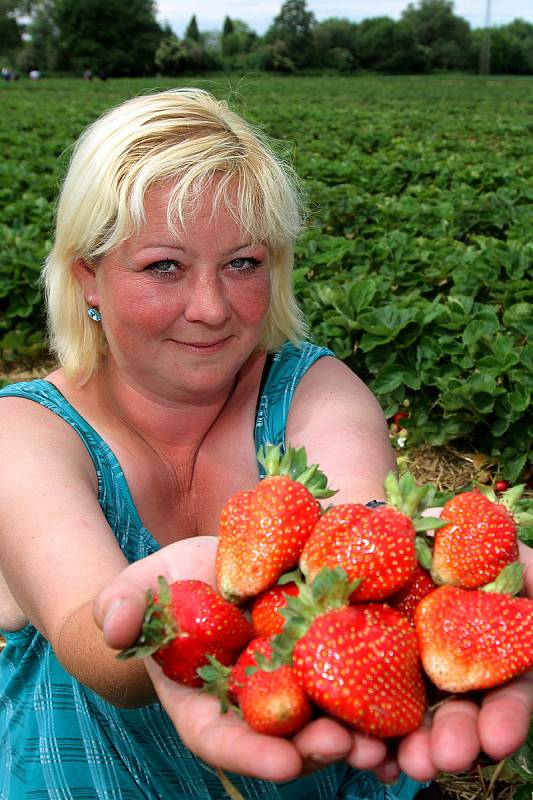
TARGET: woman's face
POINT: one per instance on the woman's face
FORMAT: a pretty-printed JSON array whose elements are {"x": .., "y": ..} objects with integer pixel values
[{"x": 183, "y": 311}]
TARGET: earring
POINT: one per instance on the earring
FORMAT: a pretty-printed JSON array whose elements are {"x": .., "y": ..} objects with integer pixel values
[{"x": 94, "y": 314}]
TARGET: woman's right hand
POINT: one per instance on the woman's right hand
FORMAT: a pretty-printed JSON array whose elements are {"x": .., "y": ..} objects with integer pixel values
[{"x": 224, "y": 740}]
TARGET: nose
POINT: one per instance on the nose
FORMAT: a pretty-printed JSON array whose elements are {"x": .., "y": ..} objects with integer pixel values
[{"x": 206, "y": 300}]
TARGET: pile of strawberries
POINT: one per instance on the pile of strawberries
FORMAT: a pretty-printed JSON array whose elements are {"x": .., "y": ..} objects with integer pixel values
[{"x": 354, "y": 610}]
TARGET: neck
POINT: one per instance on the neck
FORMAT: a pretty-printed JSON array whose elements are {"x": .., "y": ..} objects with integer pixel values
[{"x": 182, "y": 422}]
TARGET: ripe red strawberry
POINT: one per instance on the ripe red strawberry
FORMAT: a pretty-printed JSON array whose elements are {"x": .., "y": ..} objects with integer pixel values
[
  {"x": 406, "y": 600},
  {"x": 273, "y": 702},
  {"x": 266, "y": 619},
  {"x": 226, "y": 682},
  {"x": 262, "y": 531},
  {"x": 360, "y": 664},
  {"x": 375, "y": 545},
  {"x": 238, "y": 675},
  {"x": 184, "y": 624},
  {"x": 479, "y": 540},
  {"x": 357, "y": 662},
  {"x": 471, "y": 639}
]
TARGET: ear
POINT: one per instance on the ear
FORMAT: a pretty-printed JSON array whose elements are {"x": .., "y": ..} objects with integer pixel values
[{"x": 86, "y": 277}]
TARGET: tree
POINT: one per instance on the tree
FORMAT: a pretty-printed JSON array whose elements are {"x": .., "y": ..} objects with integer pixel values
[
  {"x": 113, "y": 37},
  {"x": 192, "y": 33},
  {"x": 10, "y": 29},
  {"x": 227, "y": 28},
  {"x": 511, "y": 48},
  {"x": 175, "y": 57},
  {"x": 334, "y": 44},
  {"x": 293, "y": 27},
  {"x": 236, "y": 42},
  {"x": 41, "y": 48},
  {"x": 445, "y": 36},
  {"x": 385, "y": 45}
]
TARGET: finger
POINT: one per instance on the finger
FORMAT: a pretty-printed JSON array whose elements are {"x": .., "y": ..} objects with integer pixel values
[
  {"x": 119, "y": 611},
  {"x": 224, "y": 740},
  {"x": 504, "y": 717},
  {"x": 323, "y": 741},
  {"x": 367, "y": 751},
  {"x": 388, "y": 771},
  {"x": 414, "y": 753},
  {"x": 454, "y": 739},
  {"x": 526, "y": 557}
]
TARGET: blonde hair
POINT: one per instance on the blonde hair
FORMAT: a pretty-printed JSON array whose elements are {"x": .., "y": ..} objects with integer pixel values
[{"x": 189, "y": 137}]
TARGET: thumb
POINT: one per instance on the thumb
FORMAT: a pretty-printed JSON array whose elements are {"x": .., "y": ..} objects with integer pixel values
[{"x": 118, "y": 611}]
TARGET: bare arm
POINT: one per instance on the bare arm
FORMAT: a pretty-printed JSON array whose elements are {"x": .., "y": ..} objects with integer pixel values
[
  {"x": 340, "y": 423},
  {"x": 57, "y": 550}
]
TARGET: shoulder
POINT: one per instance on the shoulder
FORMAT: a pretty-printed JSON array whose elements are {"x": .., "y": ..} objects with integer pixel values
[
  {"x": 329, "y": 381},
  {"x": 338, "y": 420},
  {"x": 34, "y": 431}
]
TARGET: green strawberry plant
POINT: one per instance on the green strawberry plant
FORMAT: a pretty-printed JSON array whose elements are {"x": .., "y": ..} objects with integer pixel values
[{"x": 415, "y": 265}]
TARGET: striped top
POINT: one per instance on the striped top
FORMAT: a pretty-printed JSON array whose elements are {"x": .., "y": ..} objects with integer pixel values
[{"x": 61, "y": 741}]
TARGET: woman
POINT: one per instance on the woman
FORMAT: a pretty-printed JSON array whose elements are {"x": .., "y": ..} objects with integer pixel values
[{"x": 168, "y": 284}]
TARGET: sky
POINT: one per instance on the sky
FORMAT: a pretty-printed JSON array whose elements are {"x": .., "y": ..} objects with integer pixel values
[{"x": 258, "y": 14}]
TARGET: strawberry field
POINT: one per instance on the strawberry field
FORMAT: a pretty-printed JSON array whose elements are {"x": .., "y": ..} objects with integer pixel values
[{"x": 415, "y": 267}]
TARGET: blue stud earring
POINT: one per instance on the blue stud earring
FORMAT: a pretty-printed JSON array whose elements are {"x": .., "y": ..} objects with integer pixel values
[{"x": 94, "y": 314}]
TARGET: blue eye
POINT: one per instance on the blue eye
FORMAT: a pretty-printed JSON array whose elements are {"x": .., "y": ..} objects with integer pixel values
[
  {"x": 163, "y": 268},
  {"x": 245, "y": 265}
]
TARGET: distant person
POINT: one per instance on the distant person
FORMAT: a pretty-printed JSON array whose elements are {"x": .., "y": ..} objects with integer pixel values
[
  {"x": 182, "y": 350},
  {"x": 34, "y": 74},
  {"x": 6, "y": 73}
]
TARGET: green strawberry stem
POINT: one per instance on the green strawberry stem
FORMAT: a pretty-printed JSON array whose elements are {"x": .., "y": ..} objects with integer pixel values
[
  {"x": 293, "y": 464},
  {"x": 215, "y": 677},
  {"x": 159, "y": 625},
  {"x": 330, "y": 589},
  {"x": 424, "y": 551},
  {"x": 411, "y": 500},
  {"x": 509, "y": 581}
]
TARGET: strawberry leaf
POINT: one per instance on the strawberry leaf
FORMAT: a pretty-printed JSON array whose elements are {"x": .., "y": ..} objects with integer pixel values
[
  {"x": 509, "y": 581},
  {"x": 424, "y": 551},
  {"x": 293, "y": 464}
]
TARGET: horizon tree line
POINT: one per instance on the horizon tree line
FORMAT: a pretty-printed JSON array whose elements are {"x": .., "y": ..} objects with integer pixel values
[{"x": 124, "y": 38}]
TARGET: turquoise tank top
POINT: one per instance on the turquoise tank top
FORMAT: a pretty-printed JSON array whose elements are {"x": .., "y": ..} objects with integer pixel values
[{"x": 61, "y": 741}]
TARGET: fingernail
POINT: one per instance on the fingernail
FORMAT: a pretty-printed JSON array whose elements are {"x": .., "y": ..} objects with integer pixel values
[
  {"x": 327, "y": 759},
  {"x": 115, "y": 605}
]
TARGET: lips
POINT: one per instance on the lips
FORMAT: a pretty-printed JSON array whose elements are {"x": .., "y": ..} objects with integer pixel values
[{"x": 205, "y": 346}]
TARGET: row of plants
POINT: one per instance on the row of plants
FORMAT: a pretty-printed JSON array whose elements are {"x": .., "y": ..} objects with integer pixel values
[{"x": 415, "y": 265}]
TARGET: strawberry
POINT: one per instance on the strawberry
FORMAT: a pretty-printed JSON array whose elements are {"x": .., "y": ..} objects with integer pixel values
[
  {"x": 184, "y": 624},
  {"x": 479, "y": 539},
  {"x": 273, "y": 702},
  {"x": 262, "y": 531},
  {"x": 359, "y": 663},
  {"x": 501, "y": 486},
  {"x": 374, "y": 544},
  {"x": 473, "y": 639},
  {"x": 268, "y": 695},
  {"x": 406, "y": 600},
  {"x": 265, "y": 608},
  {"x": 238, "y": 675},
  {"x": 226, "y": 682}
]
